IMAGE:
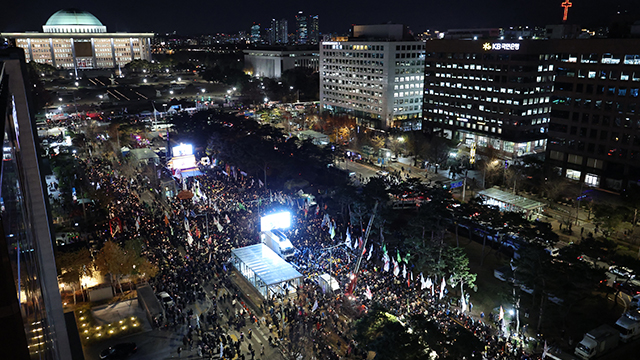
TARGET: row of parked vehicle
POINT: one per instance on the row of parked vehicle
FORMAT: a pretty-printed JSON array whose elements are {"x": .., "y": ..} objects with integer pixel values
[{"x": 606, "y": 338}]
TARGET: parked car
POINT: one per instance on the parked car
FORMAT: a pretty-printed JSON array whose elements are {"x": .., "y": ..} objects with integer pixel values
[
  {"x": 382, "y": 173},
  {"x": 588, "y": 260},
  {"x": 621, "y": 271},
  {"x": 166, "y": 299},
  {"x": 119, "y": 351},
  {"x": 627, "y": 288}
]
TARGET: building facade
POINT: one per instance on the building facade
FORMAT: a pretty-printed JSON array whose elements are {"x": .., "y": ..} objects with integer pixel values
[
  {"x": 278, "y": 34},
  {"x": 74, "y": 39},
  {"x": 376, "y": 77},
  {"x": 489, "y": 94},
  {"x": 272, "y": 62},
  {"x": 33, "y": 323},
  {"x": 255, "y": 34},
  {"x": 314, "y": 29},
  {"x": 594, "y": 135},
  {"x": 302, "y": 30}
]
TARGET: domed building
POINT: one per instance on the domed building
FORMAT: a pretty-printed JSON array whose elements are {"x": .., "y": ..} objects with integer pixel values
[
  {"x": 76, "y": 39},
  {"x": 73, "y": 21}
]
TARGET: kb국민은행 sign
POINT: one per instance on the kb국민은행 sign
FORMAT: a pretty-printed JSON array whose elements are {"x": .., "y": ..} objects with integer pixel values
[{"x": 501, "y": 46}]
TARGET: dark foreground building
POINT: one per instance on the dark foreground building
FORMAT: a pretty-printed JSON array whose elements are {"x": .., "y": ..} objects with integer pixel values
[{"x": 32, "y": 324}]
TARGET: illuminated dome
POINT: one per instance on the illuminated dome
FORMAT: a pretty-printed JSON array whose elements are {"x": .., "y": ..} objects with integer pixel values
[{"x": 73, "y": 21}]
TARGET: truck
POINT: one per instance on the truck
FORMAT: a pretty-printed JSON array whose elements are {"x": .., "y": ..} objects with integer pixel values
[
  {"x": 597, "y": 342},
  {"x": 148, "y": 301},
  {"x": 629, "y": 325},
  {"x": 277, "y": 241}
]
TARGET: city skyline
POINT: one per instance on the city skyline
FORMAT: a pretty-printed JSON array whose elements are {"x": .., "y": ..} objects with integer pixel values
[{"x": 203, "y": 18}]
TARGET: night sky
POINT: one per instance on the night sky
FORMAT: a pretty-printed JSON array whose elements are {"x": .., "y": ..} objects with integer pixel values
[{"x": 195, "y": 17}]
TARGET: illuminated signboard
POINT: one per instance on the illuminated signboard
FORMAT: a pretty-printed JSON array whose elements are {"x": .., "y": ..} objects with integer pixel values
[
  {"x": 275, "y": 221},
  {"x": 182, "y": 150},
  {"x": 501, "y": 46}
]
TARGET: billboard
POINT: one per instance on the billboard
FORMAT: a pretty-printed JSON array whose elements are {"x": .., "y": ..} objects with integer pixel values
[{"x": 275, "y": 221}]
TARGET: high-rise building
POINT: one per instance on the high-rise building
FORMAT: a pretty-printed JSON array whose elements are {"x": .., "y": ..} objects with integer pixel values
[
  {"x": 33, "y": 323},
  {"x": 278, "y": 34},
  {"x": 283, "y": 32},
  {"x": 302, "y": 31},
  {"x": 594, "y": 134},
  {"x": 75, "y": 39},
  {"x": 314, "y": 29},
  {"x": 376, "y": 76},
  {"x": 489, "y": 93},
  {"x": 255, "y": 34}
]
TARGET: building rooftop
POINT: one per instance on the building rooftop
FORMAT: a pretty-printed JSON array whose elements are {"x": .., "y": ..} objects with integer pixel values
[
  {"x": 73, "y": 17},
  {"x": 267, "y": 265},
  {"x": 72, "y": 21}
]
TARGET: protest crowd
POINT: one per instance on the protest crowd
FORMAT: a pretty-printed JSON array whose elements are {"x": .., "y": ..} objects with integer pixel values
[{"x": 191, "y": 239}]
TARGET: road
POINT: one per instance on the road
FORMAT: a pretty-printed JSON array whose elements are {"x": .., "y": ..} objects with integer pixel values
[{"x": 163, "y": 344}]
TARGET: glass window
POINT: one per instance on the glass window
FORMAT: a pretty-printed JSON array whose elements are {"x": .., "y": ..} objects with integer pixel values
[
  {"x": 592, "y": 180},
  {"x": 573, "y": 174},
  {"x": 632, "y": 59},
  {"x": 609, "y": 58}
]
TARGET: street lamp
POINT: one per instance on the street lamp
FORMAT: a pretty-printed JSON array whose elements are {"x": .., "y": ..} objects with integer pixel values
[
  {"x": 171, "y": 92},
  {"x": 60, "y": 99},
  {"x": 77, "y": 84},
  {"x": 234, "y": 89},
  {"x": 144, "y": 80},
  {"x": 179, "y": 79},
  {"x": 203, "y": 91}
]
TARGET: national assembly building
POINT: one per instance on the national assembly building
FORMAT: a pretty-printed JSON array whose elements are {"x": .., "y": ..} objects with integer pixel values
[{"x": 75, "y": 39}]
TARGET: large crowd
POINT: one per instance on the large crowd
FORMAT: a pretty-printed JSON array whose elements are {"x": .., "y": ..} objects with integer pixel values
[{"x": 190, "y": 238}]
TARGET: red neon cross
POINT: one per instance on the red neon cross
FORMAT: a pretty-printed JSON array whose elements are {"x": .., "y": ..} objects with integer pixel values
[{"x": 566, "y": 5}]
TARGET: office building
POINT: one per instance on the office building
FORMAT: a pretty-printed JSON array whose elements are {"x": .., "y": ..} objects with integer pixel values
[
  {"x": 314, "y": 29},
  {"x": 302, "y": 31},
  {"x": 255, "y": 34},
  {"x": 278, "y": 34},
  {"x": 376, "y": 76},
  {"x": 490, "y": 94},
  {"x": 594, "y": 134},
  {"x": 33, "y": 323},
  {"x": 273, "y": 61},
  {"x": 75, "y": 39}
]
